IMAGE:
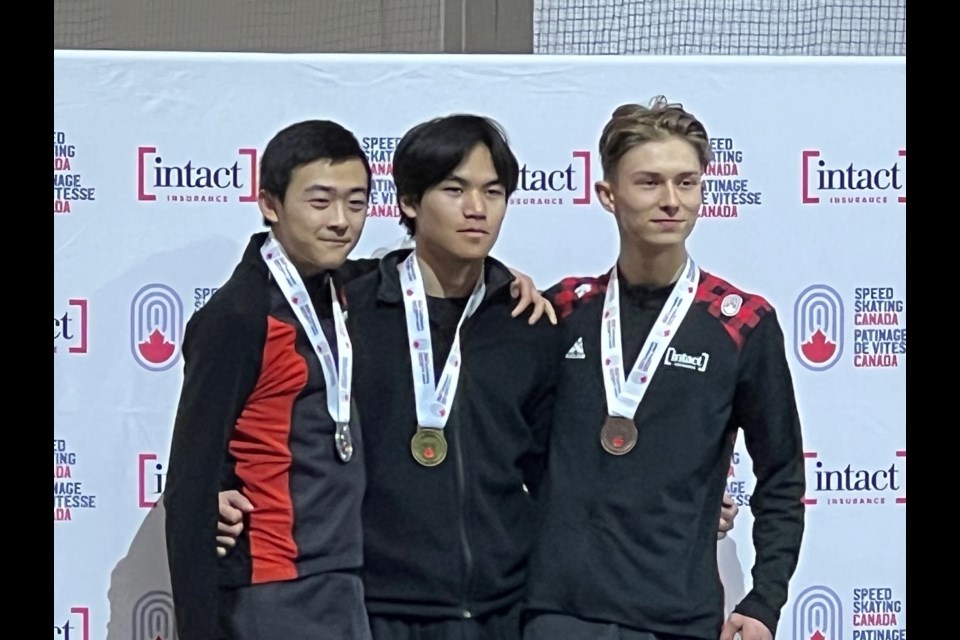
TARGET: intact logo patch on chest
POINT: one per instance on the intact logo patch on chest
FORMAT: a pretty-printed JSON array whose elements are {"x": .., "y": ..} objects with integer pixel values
[{"x": 674, "y": 358}]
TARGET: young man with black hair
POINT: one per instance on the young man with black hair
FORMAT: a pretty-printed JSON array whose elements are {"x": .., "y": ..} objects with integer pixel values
[
  {"x": 256, "y": 412},
  {"x": 455, "y": 446}
]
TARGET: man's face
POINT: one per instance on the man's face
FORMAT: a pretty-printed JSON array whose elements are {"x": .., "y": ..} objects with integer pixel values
[
  {"x": 655, "y": 194},
  {"x": 322, "y": 215},
  {"x": 462, "y": 214}
]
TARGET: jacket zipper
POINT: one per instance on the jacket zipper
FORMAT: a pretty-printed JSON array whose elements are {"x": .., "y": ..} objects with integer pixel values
[{"x": 465, "y": 611}]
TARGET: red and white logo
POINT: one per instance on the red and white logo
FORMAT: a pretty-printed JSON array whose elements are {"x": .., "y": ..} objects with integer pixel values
[
  {"x": 156, "y": 327},
  {"x": 818, "y": 327},
  {"x": 855, "y": 484},
  {"x": 175, "y": 179},
  {"x": 818, "y": 615},
  {"x": 829, "y": 181}
]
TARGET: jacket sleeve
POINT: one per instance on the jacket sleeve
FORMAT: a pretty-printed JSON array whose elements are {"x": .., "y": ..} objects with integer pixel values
[
  {"x": 539, "y": 407},
  {"x": 222, "y": 358},
  {"x": 766, "y": 408}
]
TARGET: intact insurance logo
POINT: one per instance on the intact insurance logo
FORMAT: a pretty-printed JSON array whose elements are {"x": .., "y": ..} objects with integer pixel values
[
  {"x": 829, "y": 179},
  {"x": 151, "y": 480},
  {"x": 879, "y": 327},
  {"x": 172, "y": 176},
  {"x": 840, "y": 483},
  {"x": 156, "y": 327},
  {"x": 871, "y": 613},
  {"x": 153, "y": 617},
  {"x": 70, "y": 327},
  {"x": 565, "y": 181},
  {"x": 74, "y": 625}
]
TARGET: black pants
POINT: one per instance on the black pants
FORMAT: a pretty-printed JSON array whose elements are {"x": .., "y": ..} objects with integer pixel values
[
  {"x": 326, "y": 606},
  {"x": 501, "y": 625},
  {"x": 552, "y": 626}
]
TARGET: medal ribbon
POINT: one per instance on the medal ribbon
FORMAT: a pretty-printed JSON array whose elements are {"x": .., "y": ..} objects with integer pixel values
[
  {"x": 433, "y": 400},
  {"x": 625, "y": 393},
  {"x": 291, "y": 284}
]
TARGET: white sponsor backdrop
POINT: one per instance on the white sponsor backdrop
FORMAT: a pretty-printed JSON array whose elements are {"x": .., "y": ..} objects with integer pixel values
[{"x": 809, "y": 191}]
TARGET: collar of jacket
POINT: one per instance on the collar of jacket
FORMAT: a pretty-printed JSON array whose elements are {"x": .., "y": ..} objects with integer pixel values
[
  {"x": 253, "y": 258},
  {"x": 496, "y": 275}
]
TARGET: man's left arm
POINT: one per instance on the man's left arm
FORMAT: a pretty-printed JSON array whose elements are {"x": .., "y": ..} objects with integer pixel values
[{"x": 766, "y": 408}]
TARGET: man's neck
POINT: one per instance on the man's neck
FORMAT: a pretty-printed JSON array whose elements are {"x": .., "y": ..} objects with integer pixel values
[
  {"x": 445, "y": 277},
  {"x": 655, "y": 268}
]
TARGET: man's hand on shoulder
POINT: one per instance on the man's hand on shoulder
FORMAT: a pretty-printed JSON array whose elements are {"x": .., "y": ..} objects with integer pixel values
[{"x": 523, "y": 288}]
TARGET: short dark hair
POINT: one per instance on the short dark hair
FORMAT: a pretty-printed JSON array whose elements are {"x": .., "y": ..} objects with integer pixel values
[
  {"x": 428, "y": 153},
  {"x": 303, "y": 143}
]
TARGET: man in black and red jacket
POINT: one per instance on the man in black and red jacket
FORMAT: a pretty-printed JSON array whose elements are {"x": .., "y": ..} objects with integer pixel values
[{"x": 665, "y": 364}]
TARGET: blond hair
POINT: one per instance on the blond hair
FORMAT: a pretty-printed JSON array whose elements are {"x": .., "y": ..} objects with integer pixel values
[{"x": 632, "y": 125}]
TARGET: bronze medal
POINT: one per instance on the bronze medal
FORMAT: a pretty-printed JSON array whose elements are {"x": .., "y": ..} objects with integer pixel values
[
  {"x": 618, "y": 435},
  {"x": 429, "y": 447},
  {"x": 343, "y": 441}
]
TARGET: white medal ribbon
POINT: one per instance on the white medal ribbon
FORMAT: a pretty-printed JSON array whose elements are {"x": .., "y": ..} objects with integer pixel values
[
  {"x": 291, "y": 284},
  {"x": 624, "y": 394},
  {"x": 433, "y": 400}
]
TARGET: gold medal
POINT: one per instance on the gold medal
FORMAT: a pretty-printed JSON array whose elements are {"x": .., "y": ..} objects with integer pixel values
[
  {"x": 618, "y": 435},
  {"x": 429, "y": 447}
]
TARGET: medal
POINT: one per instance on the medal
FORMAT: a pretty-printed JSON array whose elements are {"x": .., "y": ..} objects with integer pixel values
[
  {"x": 434, "y": 402},
  {"x": 618, "y": 435},
  {"x": 625, "y": 389},
  {"x": 343, "y": 441},
  {"x": 429, "y": 446}
]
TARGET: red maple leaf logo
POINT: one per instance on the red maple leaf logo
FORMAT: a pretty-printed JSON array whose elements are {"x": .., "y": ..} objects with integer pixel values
[
  {"x": 818, "y": 636},
  {"x": 156, "y": 349},
  {"x": 428, "y": 453},
  {"x": 818, "y": 349}
]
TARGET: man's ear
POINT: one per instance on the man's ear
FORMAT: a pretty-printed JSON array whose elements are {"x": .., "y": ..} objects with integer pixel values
[
  {"x": 269, "y": 206},
  {"x": 605, "y": 195},
  {"x": 407, "y": 206}
]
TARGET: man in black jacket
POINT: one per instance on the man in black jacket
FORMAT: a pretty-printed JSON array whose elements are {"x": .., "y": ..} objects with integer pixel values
[
  {"x": 456, "y": 398},
  {"x": 665, "y": 364}
]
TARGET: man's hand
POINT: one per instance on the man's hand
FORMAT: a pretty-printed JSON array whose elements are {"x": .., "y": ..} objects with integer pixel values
[
  {"x": 524, "y": 289},
  {"x": 233, "y": 505},
  {"x": 727, "y": 515},
  {"x": 748, "y": 628}
]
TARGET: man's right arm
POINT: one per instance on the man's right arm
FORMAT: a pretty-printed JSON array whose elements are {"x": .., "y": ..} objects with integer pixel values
[{"x": 222, "y": 358}]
